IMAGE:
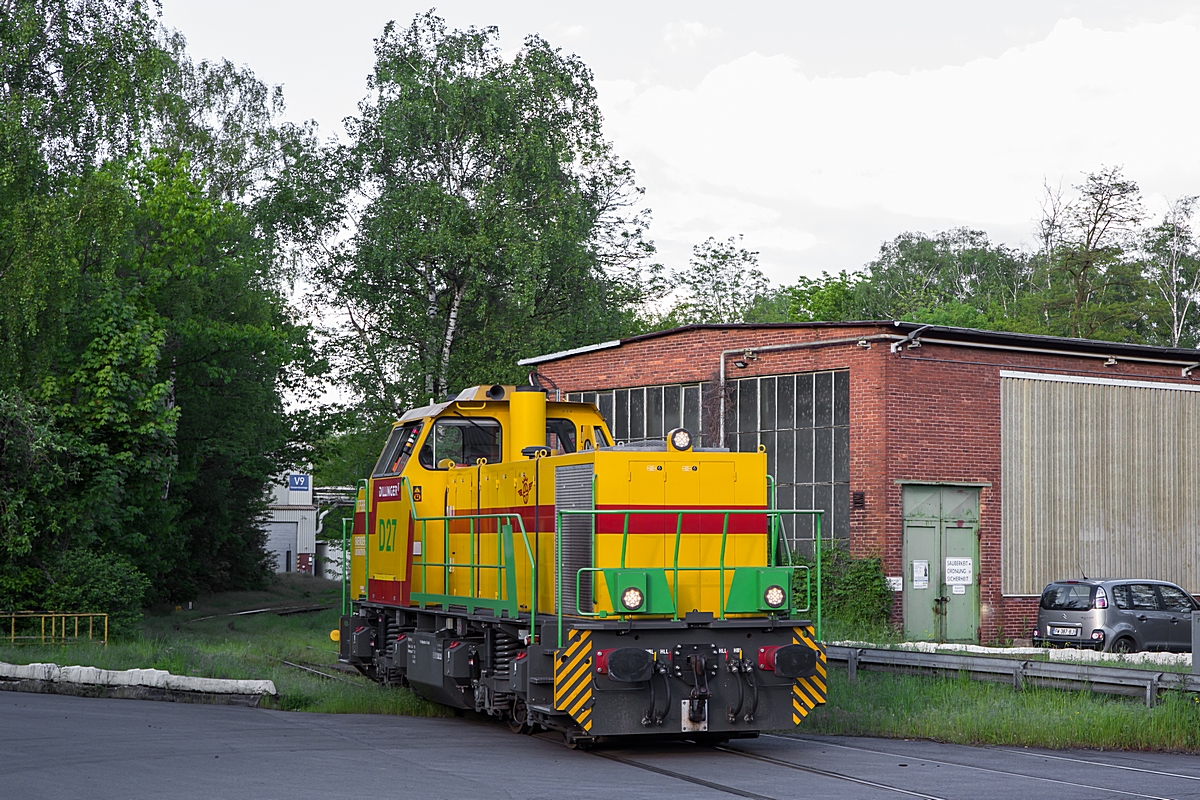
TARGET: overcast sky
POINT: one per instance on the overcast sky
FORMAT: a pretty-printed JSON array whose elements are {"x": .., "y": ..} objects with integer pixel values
[{"x": 818, "y": 130}]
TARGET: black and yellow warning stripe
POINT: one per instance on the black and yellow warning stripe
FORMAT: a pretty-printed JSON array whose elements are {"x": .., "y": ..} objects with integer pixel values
[
  {"x": 808, "y": 693},
  {"x": 573, "y": 678}
]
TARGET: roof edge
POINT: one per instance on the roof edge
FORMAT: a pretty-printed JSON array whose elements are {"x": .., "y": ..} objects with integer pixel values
[
  {"x": 962, "y": 334},
  {"x": 588, "y": 348}
]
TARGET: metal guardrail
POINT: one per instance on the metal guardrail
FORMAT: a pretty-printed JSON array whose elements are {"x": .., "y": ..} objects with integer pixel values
[
  {"x": 1046, "y": 674},
  {"x": 29, "y": 627}
]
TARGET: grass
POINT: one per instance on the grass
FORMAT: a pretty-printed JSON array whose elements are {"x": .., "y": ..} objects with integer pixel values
[
  {"x": 245, "y": 647},
  {"x": 880, "y": 704},
  {"x": 963, "y": 711}
]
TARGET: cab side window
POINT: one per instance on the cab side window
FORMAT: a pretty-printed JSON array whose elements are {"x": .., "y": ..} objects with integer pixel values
[
  {"x": 601, "y": 438},
  {"x": 1175, "y": 599},
  {"x": 560, "y": 436},
  {"x": 462, "y": 440}
]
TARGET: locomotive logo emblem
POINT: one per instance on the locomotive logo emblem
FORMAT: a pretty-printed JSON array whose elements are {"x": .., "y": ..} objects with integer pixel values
[{"x": 526, "y": 488}]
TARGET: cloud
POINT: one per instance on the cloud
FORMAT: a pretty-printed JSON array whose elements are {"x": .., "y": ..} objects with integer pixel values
[
  {"x": 761, "y": 145},
  {"x": 687, "y": 35}
]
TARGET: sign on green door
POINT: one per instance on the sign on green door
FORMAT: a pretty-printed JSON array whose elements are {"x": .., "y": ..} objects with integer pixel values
[{"x": 941, "y": 563}]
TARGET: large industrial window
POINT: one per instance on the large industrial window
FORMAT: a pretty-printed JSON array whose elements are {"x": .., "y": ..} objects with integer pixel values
[
  {"x": 803, "y": 420},
  {"x": 648, "y": 412},
  {"x": 1098, "y": 478}
]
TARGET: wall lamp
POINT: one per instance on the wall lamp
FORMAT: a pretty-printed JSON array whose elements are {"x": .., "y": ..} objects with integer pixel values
[{"x": 745, "y": 360}]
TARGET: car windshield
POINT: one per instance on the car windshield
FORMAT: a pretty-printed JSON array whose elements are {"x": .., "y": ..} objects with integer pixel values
[{"x": 1067, "y": 597}]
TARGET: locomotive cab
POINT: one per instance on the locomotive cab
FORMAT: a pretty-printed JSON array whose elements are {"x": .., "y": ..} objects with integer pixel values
[{"x": 508, "y": 558}]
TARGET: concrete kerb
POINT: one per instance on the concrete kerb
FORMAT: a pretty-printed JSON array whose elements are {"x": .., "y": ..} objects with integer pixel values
[{"x": 142, "y": 684}]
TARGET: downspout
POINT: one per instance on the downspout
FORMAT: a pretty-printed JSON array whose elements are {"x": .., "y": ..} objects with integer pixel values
[
  {"x": 1187, "y": 371},
  {"x": 863, "y": 341}
]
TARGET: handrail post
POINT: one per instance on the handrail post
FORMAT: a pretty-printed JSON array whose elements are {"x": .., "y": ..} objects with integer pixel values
[
  {"x": 367, "y": 535},
  {"x": 721, "y": 595},
  {"x": 445, "y": 558},
  {"x": 534, "y": 588},
  {"x": 624, "y": 541},
  {"x": 818, "y": 529},
  {"x": 345, "y": 564},
  {"x": 558, "y": 522},
  {"x": 678, "y": 533}
]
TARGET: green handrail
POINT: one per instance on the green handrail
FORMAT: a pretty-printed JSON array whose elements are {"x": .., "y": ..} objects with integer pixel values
[
  {"x": 774, "y": 515},
  {"x": 506, "y": 563}
]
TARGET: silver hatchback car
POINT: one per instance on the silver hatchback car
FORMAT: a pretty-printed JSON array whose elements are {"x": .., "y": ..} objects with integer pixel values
[{"x": 1120, "y": 616}]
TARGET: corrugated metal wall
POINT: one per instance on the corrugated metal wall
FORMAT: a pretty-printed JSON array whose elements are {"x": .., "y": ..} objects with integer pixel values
[{"x": 1097, "y": 475}]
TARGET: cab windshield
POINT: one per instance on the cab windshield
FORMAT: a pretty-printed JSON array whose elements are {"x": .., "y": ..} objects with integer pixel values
[{"x": 397, "y": 451}]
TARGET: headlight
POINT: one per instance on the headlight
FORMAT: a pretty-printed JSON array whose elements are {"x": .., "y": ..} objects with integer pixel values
[
  {"x": 775, "y": 596},
  {"x": 681, "y": 439},
  {"x": 632, "y": 598}
]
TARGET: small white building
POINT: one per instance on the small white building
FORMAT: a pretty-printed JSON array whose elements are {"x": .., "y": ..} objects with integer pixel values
[{"x": 292, "y": 523}]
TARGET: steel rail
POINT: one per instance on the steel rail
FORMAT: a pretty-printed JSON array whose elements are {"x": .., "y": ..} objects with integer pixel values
[
  {"x": 827, "y": 773},
  {"x": 1010, "y": 773},
  {"x": 670, "y": 773}
]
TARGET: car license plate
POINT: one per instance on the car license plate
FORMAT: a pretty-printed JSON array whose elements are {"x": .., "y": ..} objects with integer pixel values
[{"x": 1064, "y": 631}]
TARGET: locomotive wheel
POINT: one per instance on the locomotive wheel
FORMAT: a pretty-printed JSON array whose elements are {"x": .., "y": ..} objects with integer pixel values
[{"x": 518, "y": 717}]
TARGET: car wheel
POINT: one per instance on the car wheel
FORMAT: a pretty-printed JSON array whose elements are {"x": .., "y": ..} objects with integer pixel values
[{"x": 1124, "y": 645}]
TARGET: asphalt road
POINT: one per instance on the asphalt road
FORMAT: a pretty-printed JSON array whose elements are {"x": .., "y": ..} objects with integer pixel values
[{"x": 66, "y": 747}]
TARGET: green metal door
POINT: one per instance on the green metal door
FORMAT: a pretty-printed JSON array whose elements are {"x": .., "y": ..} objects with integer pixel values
[{"x": 941, "y": 562}]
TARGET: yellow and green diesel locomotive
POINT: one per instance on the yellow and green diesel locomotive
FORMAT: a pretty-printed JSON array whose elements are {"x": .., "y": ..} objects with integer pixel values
[{"x": 507, "y": 558}]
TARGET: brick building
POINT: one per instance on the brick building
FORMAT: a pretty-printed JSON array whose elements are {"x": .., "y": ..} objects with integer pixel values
[{"x": 979, "y": 465}]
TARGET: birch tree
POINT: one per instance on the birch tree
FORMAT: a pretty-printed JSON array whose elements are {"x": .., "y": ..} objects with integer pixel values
[
  {"x": 1173, "y": 268},
  {"x": 491, "y": 219}
]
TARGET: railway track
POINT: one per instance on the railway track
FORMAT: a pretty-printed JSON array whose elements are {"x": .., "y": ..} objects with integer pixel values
[
  {"x": 740, "y": 792},
  {"x": 1012, "y": 773},
  {"x": 652, "y": 761}
]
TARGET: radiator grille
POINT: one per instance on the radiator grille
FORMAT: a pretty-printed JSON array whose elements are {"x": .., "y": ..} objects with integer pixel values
[{"x": 573, "y": 491}]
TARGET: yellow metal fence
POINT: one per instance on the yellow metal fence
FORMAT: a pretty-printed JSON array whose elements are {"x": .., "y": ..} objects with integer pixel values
[{"x": 54, "y": 627}]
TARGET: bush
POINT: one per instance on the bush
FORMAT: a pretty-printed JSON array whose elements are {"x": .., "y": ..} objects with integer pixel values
[
  {"x": 99, "y": 583},
  {"x": 855, "y": 594}
]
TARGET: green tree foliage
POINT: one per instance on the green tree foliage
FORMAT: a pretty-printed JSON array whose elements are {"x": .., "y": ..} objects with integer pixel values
[
  {"x": 954, "y": 277},
  {"x": 828, "y": 298},
  {"x": 144, "y": 338},
  {"x": 1097, "y": 273},
  {"x": 488, "y": 217},
  {"x": 1090, "y": 283},
  {"x": 1173, "y": 270},
  {"x": 721, "y": 284}
]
